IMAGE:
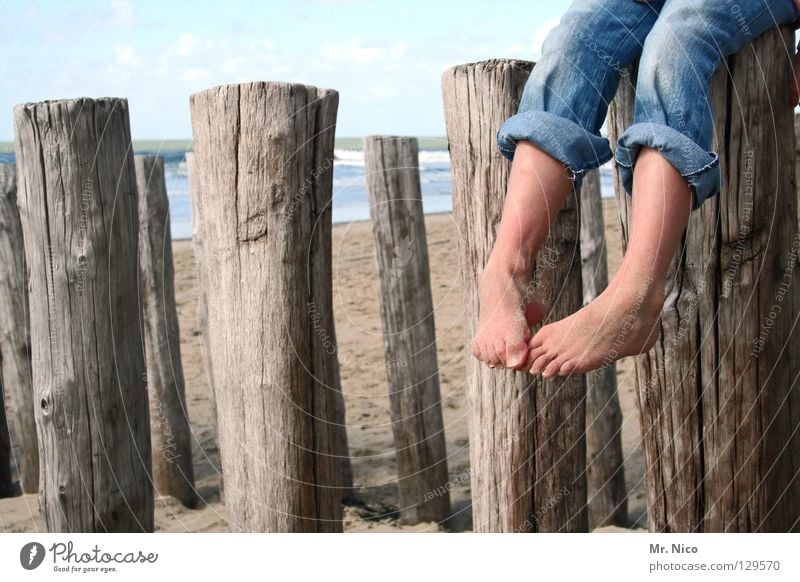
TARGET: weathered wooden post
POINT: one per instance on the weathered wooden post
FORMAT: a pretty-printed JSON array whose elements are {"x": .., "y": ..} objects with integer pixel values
[
  {"x": 343, "y": 450},
  {"x": 605, "y": 474},
  {"x": 8, "y": 488},
  {"x": 797, "y": 157},
  {"x": 264, "y": 161},
  {"x": 527, "y": 435},
  {"x": 202, "y": 304},
  {"x": 718, "y": 392},
  {"x": 170, "y": 435},
  {"x": 342, "y": 447},
  {"x": 78, "y": 206},
  {"x": 15, "y": 345},
  {"x": 409, "y": 335}
]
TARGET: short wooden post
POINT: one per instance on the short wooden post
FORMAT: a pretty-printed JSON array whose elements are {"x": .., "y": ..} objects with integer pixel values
[
  {"x": 170, "y": 435},
  {"x": 409, "y": 335},
  {"x": 718, "y": 392},
  {"x": 202, "y": 305},
  {"x": 605, "y": 474},
  {"x": 264, "y": 161},
  {"x": 78, "y": 206},
  {"x": 15, "y": 344},
  {"x": 527, "y": 435}
]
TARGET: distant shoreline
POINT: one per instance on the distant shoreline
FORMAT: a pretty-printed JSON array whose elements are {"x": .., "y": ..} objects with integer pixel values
[
  {"x": 425, "y": 142},
  {"x": 335, "y": 224}
]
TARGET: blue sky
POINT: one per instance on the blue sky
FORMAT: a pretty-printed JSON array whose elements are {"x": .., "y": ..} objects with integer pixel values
[{"x": 384, "y": 57}]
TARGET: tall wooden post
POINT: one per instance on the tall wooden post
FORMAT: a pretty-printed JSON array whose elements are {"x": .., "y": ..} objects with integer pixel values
[
  {"x": 202, "y": 304},
  {"x": 409, "y": 335},
  {"x": 78, "y": 206},
  {"x": 605, "y": 474},
  {"x": 264, "y": 161},
  {"x": 170, "y": 435},
  {"x": 15, "y": 344},
  {"x": 527, "y": 435},
  {"x": 342, "y": 447},
  {"x": 718, "y": 392}
]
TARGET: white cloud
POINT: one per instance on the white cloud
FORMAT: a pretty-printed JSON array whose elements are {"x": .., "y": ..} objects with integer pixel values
[
  {"x": 196, "y": 74},
  {"x": 380, "y": 92},
  {"x": 539, "y": 36},
  {"x": 398, "y": 50},
  {"x": 118, "y": 14},
  {"x": 517, "y": 50},
  {"x": 187, "y": 43},
  {"x": 352, "y": 51},
  {"x": 127, "y": 57}
]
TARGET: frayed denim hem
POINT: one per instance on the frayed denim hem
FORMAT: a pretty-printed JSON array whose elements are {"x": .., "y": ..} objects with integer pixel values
[
  {"x": 699, "y": 167},
  {"x": 579, "y": 150}
]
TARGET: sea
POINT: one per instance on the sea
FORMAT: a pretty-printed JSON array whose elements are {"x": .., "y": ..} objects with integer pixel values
[{"x": 350, "y": 201}]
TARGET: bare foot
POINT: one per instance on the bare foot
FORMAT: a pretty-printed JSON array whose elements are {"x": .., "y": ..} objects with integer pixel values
[
  {"x": 622, "y": 321},
  {"x": 508, "y": 309}
]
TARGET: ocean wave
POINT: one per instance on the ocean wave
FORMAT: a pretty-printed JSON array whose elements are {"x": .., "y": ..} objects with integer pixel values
[
  {"x": 348, "y": 157},
  {"x": 434, "y": 157},
  {"x": 345, "y": 157}
]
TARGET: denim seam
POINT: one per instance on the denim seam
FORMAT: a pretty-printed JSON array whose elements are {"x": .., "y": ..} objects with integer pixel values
[
  {"x": 709, "y": 166},
  {"x": 690, "y": 177},
  {"x": 591, "y": 166},
  {"x": 705, "y": 168},
  {"x": 580, "y": 170}
]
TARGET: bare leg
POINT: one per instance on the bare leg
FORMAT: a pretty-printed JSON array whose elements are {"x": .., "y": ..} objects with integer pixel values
[
  {"x": 623, "y": 320},
  {"x": 537, "y": 188}
]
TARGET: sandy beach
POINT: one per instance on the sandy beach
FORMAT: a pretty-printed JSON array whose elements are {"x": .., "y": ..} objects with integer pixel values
[{"x": 361, "y": 357}]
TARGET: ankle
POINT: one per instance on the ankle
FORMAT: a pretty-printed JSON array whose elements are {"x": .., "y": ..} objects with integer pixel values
[
  {"x": 517, "y": 266},
  {"x": 641, "y": 294}
]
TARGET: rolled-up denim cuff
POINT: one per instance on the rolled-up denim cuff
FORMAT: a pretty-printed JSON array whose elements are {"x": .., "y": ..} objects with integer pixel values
[
  {"x": 699, "y": 167},
  {"x": 565, "y": 140}
]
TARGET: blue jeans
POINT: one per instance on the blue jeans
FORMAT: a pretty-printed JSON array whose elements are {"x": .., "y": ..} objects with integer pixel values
[{"x": 681, "y": 44}]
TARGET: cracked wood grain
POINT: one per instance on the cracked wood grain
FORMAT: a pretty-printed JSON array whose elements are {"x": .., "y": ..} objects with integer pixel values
[
  {"x": 527, "y": 435},
  {"x": 78, "y": 208},
  {"x": 263, "y": 167},
  {"x": 718, "y": 392}
]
